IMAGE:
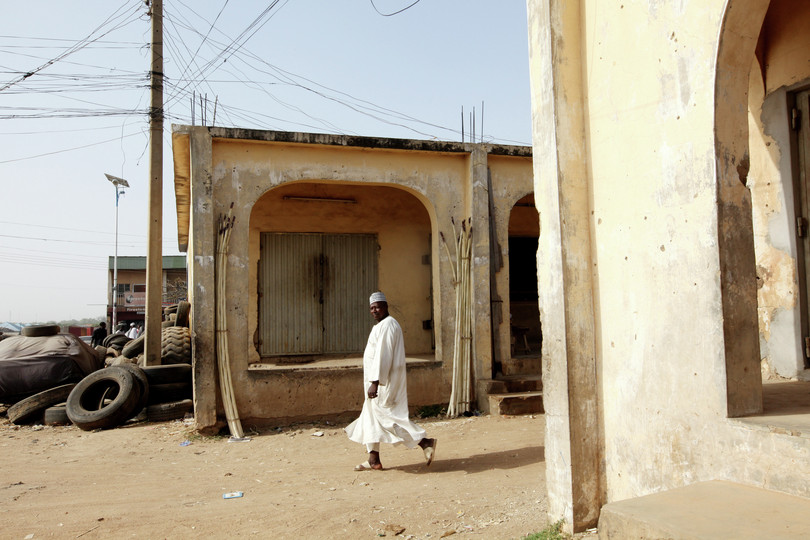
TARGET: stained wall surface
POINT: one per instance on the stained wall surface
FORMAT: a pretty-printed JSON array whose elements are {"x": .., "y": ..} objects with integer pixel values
[
  {"x": 646, "y": 260},
  {"x": 405, "y": 192}
]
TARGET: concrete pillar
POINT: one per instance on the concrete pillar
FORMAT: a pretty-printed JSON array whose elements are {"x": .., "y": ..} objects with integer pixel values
[
  {"x": 480, "y": 267},
  {"x": 562, "y": 186},
  {"x": 202, "y": 248}
]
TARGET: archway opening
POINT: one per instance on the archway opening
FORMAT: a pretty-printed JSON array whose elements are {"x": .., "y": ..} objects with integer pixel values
[
  {"x": 320, "y": 250},
  {"x": 524, "y": 313}
]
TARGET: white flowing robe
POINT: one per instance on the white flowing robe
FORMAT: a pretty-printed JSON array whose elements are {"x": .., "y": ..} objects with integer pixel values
[{"x": 384, "y": 419}]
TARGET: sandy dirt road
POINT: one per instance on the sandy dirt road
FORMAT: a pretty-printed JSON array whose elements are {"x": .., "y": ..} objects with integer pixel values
[{"x": 160, "y": 480}]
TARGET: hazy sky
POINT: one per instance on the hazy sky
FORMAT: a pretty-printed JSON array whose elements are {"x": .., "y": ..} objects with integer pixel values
[{"x": 322, "y": 66}]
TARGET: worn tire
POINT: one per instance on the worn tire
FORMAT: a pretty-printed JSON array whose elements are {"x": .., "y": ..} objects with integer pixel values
[
  {"x": 169, "y": 411},
  {"x": 175, "y": 345},
  {"x": 115, "y": 341},
  {"x": 166, "y": 393},
  {"x": 31, "y": 408},
  {"x": 183, "y": 310},
  {"x": 87, "y": 406},
  {"x": 143, "y": 385},
  {"x": 39, "y": 330},
  {"x": 56, "y": 416},
  {"x": 175, "y": 373},
  {"x": 135, "y": 347}
]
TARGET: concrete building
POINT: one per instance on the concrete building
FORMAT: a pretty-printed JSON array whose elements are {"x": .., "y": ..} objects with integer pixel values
[
  {"x": 670, "y": 166},
  {"x": 321, "y": 221},
  {"x": 130, "y": 302}
]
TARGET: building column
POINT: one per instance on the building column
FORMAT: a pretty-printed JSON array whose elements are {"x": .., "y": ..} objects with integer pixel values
[
  {"x": 201, "y": 282},
  {"x": 562, "y": 194}
]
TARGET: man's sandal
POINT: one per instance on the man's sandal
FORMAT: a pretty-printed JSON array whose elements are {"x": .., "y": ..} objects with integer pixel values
[{"x": 366, "y": 466}]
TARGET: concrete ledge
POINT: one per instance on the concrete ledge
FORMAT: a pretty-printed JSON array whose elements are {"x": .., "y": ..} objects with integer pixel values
[{"x": 708, "y": 510}]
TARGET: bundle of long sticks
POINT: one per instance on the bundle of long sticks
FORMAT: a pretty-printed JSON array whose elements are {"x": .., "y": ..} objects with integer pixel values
[
  {"x": 224, "y": 228},
  {"x": 460, "y": 394}
]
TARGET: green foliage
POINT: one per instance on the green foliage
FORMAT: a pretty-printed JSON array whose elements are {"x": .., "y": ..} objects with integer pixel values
[
  {"x": 430, "y": 411},
  {"x": 552, "y": 532}
]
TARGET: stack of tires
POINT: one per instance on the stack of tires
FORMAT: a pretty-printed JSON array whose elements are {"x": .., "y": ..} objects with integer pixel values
[
  {"x": 125, "y": 389},
  {"x": 111, "y": 396}
]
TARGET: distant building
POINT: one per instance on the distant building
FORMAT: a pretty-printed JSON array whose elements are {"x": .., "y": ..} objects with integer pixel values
[{"x": 131, "y": 300}]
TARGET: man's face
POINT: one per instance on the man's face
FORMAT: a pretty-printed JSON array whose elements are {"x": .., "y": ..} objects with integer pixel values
[{"x": 379, "y": 310}]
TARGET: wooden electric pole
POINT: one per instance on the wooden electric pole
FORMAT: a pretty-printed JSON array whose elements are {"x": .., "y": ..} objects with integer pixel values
[{"x": 154, "y": 249}]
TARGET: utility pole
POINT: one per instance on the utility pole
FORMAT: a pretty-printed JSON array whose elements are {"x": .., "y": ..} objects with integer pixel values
[{"x": 154, "y": 246}]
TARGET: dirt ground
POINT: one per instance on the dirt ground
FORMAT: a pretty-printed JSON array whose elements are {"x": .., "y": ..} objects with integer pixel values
[{"x": 161, "y": 480}]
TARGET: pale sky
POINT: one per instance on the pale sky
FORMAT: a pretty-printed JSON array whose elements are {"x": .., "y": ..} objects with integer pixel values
[{"x": 321, "y": 66}]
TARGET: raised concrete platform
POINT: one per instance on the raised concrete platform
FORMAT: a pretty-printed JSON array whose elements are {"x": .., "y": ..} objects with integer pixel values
[{"x": 708, "y": 510}]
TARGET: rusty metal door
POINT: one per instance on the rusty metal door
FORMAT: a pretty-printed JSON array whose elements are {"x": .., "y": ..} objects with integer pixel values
[{"x": 313, "y": 290}]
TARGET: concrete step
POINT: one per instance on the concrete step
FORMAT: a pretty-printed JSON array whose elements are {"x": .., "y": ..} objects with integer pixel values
[
  {"x": 516, "y": 403},
  {"x": 521, "y": 365},
  {"x": 513, "y": 383},
  {"x": 708, "y": 510}
]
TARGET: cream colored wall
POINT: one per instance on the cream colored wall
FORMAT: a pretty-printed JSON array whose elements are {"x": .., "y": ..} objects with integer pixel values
[
  {"x": 399, "y": 220},
  {"x": 642, "y": 77},
  {"x": 785, "y": 53},
  {"x": 244, "y": 171},
  {"x": 511, "y": 181}
]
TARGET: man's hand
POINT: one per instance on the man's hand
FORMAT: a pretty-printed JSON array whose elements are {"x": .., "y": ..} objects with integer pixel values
[{"x": 372, "y": 389}]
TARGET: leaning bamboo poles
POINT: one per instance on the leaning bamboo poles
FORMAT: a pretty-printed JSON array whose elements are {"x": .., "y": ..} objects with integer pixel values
[
  {"x": 223, "y": 360},
  {"x": 460, "y": 397}
]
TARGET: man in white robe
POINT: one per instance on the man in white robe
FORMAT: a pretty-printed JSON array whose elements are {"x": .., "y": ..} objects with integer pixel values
[{"x": 384, "y": 417}]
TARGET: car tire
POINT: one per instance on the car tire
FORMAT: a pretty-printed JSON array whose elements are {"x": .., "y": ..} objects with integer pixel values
[
  {"x": 135, "y": 347},
  {"x": 56, "y": 416},
  {"x": 175, "y": 345},
  {"x": 166, "y": 393},
  {"x": 87, "y": 406},
  {"x": 40, "y": 330},
  {"x": 168, "y": 374},
  {"x": 169, "y": 411},
  {"x": 31, "y": 408},
  {"x": 143, "y": 385}
]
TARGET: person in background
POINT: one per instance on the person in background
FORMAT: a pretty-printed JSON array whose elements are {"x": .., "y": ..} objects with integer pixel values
[
  {"x": 99, "y": 333},
  {"x": 133, "y": 331}
]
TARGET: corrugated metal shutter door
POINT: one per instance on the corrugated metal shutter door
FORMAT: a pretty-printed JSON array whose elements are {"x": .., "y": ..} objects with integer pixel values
[
  {"x": 290, "y": 307},
  {"x": 315, "y": 291},
  {"x": 350, "y": 275}
]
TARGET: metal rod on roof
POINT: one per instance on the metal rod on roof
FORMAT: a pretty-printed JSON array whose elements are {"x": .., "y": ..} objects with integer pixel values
[
  {"x": 482, "y": 120},
  {"x": 462, "y": 123}
]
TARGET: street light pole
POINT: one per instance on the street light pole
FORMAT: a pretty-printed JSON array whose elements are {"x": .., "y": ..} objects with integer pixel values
[{"x": 119, "y": 184}]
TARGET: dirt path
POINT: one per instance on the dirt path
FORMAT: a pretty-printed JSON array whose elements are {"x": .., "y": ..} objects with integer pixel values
[{"x": 159, "y": 480}]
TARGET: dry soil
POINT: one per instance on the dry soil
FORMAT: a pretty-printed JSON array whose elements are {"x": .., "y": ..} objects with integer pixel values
[{"x": 161, "y": 480}]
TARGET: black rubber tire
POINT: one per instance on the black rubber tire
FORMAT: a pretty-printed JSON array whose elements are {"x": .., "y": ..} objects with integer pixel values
[
  {"x": 175, "y": 345},
  {"x": 143, "y": 385},
  {"x": 115, "y": 341},
  {"x": 168, "y": 374},
  {"x": 119, "y": 386},
  {"x": 30, "y": 409},
  {"x": 169, "y": 411},
  {"x": 183, "y": 310},
  {"x": 40, "y": 330},
  {"x": 134, "y": 347},
  {"x": 166, "y": 393},
  {"x": 56, "y": 416}
]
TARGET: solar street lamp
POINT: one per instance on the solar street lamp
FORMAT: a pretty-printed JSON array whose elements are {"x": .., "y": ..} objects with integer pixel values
[{"x": 120, "y": 184}]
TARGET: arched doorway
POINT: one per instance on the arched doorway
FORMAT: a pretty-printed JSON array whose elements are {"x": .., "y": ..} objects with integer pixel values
[
  {"x": 524, "y": 313},
  {"x": 322, "y": 248}
]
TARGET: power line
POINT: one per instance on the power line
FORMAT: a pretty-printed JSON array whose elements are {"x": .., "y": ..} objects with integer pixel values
[{"x": 394, "y": 13}]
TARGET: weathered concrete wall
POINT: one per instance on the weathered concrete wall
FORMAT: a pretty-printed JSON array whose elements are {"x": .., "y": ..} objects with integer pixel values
[
  {"x": 664, "y": 317},
  {"x": 407, "y": 193},
  {"x": 783, "y": 64}
]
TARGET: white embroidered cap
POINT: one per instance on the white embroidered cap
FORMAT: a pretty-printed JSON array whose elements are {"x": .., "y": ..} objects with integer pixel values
[{"x": 377, "y": 297}]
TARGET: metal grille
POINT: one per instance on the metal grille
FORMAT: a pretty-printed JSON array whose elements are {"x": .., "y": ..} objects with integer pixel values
[{"x": 314, "y": 289}]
